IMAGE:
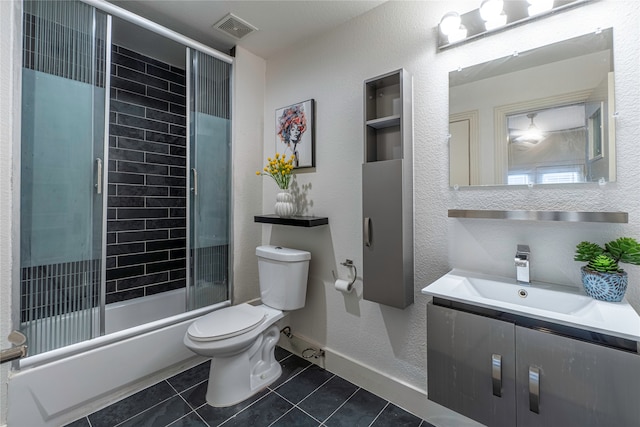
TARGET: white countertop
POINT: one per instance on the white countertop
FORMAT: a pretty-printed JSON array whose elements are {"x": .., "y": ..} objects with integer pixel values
[{"x": 560, "y": 304}]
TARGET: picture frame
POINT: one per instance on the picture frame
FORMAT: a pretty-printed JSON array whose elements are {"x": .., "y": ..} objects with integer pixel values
[{"x": 295, "y": 133}]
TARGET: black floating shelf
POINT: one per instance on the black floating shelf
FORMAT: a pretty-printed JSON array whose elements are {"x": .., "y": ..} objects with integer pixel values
[{"x": 296, "y": 221}]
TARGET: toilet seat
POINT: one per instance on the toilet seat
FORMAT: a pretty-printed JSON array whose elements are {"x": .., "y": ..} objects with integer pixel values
[{"x": 227, "y": 323}]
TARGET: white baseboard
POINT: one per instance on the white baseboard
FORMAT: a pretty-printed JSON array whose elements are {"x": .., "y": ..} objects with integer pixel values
[{"x": 400, "y": 393}]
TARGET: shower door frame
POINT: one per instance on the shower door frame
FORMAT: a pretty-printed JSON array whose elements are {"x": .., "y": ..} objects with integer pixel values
[
  {"x": 112, "y": 10},
  {"x": 192, "y": 183},
  {"x": 117, "y": 11},
  {"x": 105, "y": 180},
  {"x": 98, "y": 190}
]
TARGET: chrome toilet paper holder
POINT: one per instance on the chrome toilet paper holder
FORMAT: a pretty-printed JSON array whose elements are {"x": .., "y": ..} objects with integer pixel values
[{"x": 348, "y": 263}]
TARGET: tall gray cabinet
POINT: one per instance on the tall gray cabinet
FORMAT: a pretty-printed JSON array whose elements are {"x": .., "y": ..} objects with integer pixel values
[{"x": 387, "y": 190}]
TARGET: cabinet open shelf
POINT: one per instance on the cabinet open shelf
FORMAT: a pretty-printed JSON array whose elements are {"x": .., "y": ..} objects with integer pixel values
[
  {"x": 296, "y": 221},
  {"x": 384, "y": 122}
]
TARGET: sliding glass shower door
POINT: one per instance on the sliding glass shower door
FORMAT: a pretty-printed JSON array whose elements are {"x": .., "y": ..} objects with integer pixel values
[
  {"x": 209, "y": 159},
  {"x": 62, "y": 172}
]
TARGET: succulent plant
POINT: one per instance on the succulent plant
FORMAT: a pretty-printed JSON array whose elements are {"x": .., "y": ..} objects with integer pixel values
[
  {"x": 624, "y": 249},
  {"x": 604, "y": 264},
  {"x": 605, "y": 260},
  {"x": 586, "y": 251}
]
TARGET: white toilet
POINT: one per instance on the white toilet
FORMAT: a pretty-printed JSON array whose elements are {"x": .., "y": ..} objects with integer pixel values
[{"x": 240, "y": 339}]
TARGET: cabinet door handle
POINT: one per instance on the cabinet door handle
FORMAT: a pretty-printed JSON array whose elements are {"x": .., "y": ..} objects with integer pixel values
[
  {"x": 367, "y": 231},
  {"x": 98, "y": 176},
  {"x": 534, "y": 389},
  {"x": 195, "y": 181},
  {"x": 496, "y": 374}
]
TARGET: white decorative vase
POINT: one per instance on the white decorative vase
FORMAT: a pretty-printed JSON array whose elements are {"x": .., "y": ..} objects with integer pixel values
[{"x": 284, "y": 204}]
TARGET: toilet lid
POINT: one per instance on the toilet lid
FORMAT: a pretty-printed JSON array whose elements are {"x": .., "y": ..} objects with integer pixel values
[{"x": 226, "y": 323}]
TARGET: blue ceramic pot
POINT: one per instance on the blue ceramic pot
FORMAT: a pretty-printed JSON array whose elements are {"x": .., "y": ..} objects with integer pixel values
[{"x": 604, "y": 286}]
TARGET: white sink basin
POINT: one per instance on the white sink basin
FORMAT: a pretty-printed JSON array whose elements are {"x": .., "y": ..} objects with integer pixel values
[{"x": 562, "y": 304}]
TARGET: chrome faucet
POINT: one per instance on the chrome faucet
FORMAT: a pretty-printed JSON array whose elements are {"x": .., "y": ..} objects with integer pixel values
[{"x": 522, "y": 259}]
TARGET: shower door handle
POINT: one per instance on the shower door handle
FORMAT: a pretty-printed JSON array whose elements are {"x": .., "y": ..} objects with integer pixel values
[
  {"x": 99, "y": 176},
  {"x": 195, "y": 181}
]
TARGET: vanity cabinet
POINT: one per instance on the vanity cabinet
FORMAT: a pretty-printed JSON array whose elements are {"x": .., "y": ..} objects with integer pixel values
[
  {"x": 501, "y": 373},
  {"x": 387, "y": 190}
]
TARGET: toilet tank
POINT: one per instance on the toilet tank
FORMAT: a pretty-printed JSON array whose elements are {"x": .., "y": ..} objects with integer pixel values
[{"x": 283, "y": 276}]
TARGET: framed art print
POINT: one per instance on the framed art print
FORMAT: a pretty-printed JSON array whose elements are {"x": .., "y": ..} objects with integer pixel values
[{"x": 295, "y": 133}]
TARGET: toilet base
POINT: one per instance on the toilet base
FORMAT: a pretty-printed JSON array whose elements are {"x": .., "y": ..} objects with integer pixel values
[{"x": 236, "y": 378}]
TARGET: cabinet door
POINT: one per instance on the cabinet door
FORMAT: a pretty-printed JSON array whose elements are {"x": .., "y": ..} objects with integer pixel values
[
  {"x": 580, "y": 384},
  {"x": 462, "y": 351},
  {"x": 383, "y": 255}
]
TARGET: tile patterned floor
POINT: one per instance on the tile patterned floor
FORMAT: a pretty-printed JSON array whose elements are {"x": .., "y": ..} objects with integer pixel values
[{"x": 304, "y": 395}]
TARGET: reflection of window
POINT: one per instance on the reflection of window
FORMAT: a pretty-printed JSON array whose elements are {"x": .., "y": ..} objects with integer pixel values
[
  {"x": 560, "y": 178},
  {"x": 518, "y": 179},
  {"x": 557, "y": 155},
  {"x": 560, "y": 174}
]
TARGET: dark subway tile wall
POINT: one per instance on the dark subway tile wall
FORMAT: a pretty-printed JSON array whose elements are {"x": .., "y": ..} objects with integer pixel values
[{"x": 147, "y": 175}]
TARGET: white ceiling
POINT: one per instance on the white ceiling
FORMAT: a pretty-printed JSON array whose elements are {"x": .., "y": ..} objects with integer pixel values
[{"x": 280, "y": 23}]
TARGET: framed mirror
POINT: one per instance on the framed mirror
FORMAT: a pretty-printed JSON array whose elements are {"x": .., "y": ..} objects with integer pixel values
[{"x": 543, "y": 116}]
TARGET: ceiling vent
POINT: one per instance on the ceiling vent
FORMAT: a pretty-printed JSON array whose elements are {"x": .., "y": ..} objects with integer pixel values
[{"x": 234, "y": 26}]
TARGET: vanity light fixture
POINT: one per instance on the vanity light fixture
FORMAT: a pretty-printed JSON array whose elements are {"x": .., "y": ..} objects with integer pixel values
[
  {"x": 450, "y": 22},
  {"x": 495, "y": 15},
  {"x": 537, "y": 7},
  {"x": 451, "y": 28},
  {"x": 499, "y": 21},
  {"x": 459, "y": 34},
  {"x": 492, "y": 13}
]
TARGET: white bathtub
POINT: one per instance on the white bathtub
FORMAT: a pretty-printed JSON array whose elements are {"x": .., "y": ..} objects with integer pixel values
[{"x": 54, "y": 388}]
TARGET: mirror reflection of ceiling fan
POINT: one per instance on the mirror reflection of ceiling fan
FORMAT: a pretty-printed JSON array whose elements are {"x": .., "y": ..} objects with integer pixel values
[{"x": 531, "y": 135}]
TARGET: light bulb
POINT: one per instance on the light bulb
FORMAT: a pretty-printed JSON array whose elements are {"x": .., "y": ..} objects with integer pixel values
[
  {"x": 496, "y": 22},
  {"x": 491, "y": 9},
  {"x": 457, "y": 35},
  {"x": 450, "y": 23}
]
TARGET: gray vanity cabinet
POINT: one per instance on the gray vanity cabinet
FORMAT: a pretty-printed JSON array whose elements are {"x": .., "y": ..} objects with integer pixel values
[
  {"x": 462, "y": 351},
  {"x": 387, "y": 190},
  {"x": 581, "y": 384},
  {"x": 502, "y": 374}
]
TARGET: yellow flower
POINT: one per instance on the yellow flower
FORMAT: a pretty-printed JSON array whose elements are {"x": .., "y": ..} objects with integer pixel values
[
  {"x": 258, "y": 173},
  {"x": 279, "y": 168}
]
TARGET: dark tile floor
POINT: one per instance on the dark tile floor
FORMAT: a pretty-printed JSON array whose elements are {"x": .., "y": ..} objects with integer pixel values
[{"x": 304, "y": 395}]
